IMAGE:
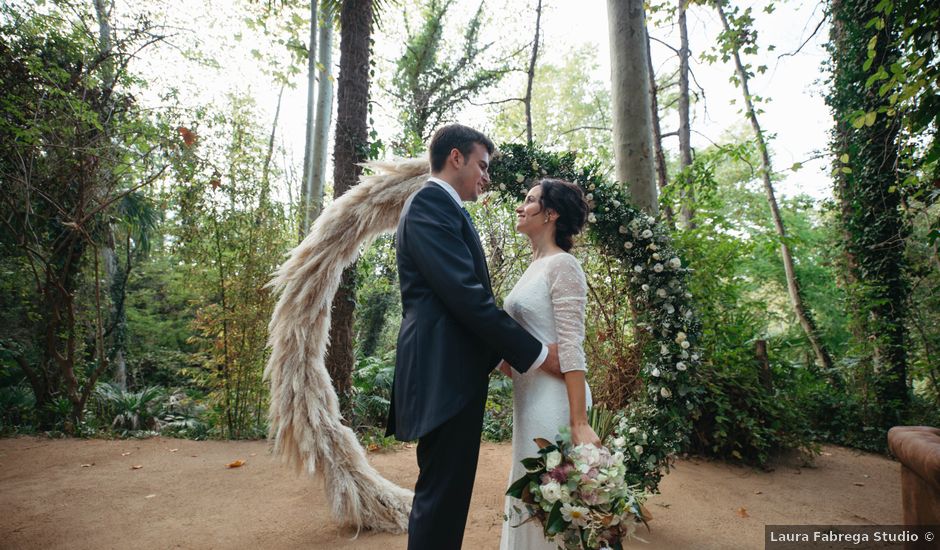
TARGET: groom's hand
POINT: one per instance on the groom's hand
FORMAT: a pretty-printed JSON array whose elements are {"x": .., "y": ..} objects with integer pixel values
[{"x": 551, "y": 364}]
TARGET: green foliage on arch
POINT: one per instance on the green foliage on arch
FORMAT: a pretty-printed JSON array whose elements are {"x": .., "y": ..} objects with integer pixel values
[{"x": 657, "y": 292}]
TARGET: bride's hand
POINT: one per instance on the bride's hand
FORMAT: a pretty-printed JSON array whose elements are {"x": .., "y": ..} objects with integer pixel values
[{"x": 582, "y": 433}]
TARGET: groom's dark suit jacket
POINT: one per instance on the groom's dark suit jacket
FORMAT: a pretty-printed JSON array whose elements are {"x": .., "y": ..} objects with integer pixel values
[{"x": 452, "y": 334}]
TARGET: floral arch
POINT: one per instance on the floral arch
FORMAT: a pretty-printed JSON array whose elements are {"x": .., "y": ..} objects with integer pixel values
[{"x": 305, "y": 421}]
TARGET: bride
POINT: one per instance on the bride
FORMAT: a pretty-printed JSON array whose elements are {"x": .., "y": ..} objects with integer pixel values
[{"x": 548, "y": 301}]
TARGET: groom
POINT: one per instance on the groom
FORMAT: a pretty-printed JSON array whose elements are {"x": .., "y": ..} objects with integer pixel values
[{"x": 452, "y": 335}]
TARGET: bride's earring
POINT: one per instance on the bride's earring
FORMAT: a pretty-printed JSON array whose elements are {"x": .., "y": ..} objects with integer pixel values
[{"x": 546, "y": 218}]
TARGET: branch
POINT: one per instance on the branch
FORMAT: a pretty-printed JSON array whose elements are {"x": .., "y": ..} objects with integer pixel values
[
  {"x": 674, "y": 49},
  {"x": 116, "y": 198},
  {"x": 496, "y": 102},
  {"x": 808, "y": 38},
  {"x": 576, "y": 128}
]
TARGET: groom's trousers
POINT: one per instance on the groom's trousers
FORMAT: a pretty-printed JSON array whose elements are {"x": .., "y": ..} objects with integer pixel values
[{"x": 447, "y": 463}]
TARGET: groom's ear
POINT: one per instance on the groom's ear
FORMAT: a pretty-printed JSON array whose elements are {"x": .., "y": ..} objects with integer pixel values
[{"x": 457, "y": 157}]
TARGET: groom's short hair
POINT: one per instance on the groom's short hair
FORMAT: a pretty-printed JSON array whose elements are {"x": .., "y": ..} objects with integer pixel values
[{"x": 455, "y": 136}]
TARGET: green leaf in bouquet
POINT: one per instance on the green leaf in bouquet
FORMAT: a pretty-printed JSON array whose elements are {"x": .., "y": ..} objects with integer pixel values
[
  {"x": 549, "y": 448},
  {"x": 556, "y": 522},
  {"x": 515, "y": 490},
  {"x": 533, "y": 464}
]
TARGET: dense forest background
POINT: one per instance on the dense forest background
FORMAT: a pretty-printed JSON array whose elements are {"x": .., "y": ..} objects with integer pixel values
[{"x": 143, "y": 213}]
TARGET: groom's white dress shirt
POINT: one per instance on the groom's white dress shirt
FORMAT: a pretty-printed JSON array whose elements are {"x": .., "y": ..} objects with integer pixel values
[{"x": 453, "y": 194}]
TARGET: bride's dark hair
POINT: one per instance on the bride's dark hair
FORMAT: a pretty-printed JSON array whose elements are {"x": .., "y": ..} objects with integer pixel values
[{"x": 568, "y": 201}]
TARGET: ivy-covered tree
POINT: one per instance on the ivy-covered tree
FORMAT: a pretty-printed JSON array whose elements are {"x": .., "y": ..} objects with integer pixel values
[{"x": 865, "y": 146}]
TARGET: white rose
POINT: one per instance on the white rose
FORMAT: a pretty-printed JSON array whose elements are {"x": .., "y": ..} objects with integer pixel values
[
  {"x": 646, "y": 234},
  {"x": 590, "y": 196},
  {"x": 681, "y": 336},
  {"x": 619, "y": 442},
  {"x": 551, "y": 491},
  {"x": 656, "y": 256},
  {"x": 655, "y": 373},
  {"x": 552, "y": 460},
  {"x": 622, "y": 229},
  {"x": 592, "y": 187},
  {"x": 664, "y": 349},
  {"x": 670, "y": 309},
  {"x": 616, "y": 203},
  {"x": 592, "y": 218},
  {"x": 661, "y": 292},
  {"x": 675, "y": 263},
  {"x": 634, "y": 430},
  {"x": 685, "y": 344},
  {"x": 520, "y": 178},
  {"x": 680, "y": 366},
  {"x": 645, "y": 287},
  {"x": 628, "y": 245},
  {"x": 639, "y": 448},
  {"x": 658, "y": 268},
  {"x": 638, "y": 268},
  {"x": 653, "y": 247},
  {"x": 665, "y": 392}
]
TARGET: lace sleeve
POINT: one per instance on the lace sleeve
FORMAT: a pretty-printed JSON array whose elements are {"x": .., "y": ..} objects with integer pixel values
[{"x": 569, "y": 294}]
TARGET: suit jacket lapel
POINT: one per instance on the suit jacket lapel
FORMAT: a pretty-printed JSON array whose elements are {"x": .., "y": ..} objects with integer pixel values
[{"x": 475, "y": 237}]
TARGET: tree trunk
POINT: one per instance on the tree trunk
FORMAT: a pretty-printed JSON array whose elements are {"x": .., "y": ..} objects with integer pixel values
[
  {"x": 873, "y": 229},
  {"x": 662, "y": 179},
  {"x": 793, "y": 287},
  {"x": 633, "y": 134},
  {"x": 349, "y": 149},
  {"x": 321, "y": 137},
  {"x": 531, "y": 74},
  {"x": 686, "y": 212},
  {"x": 306, "y": 186}
]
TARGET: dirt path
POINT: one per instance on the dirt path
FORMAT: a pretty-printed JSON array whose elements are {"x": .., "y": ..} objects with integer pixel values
[{"x": 85, "y": 494}]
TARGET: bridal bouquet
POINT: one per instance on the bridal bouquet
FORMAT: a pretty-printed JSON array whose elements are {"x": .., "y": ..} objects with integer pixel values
[{"x": 579, "y": 495}]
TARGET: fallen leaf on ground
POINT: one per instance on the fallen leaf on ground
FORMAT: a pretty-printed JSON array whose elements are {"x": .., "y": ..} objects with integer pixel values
[
  {"x": 236, "y": 464},
  {"x": 125, "y": 454},
  {"x": 173, "y": 450},
  {"x": 373, "y": 447},
  {"x": 758, "y": 492},
  {"x": 859, "y": 484},
  {"x": 743, "y": 513},
  {"x": 826, "y": 454},
  {"x": 88, "y": 465},
  {"x": 253, "y": 454},
  {"x": 137, "y": 466},
  {"x": 150, "y": 496}
]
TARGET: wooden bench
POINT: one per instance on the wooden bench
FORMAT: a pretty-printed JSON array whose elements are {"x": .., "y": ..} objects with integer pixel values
[{"x": 918, "y": 450}]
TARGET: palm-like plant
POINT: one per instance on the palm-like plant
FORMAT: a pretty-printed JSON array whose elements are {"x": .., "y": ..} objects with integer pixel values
[{"x": 130, "y": 411}]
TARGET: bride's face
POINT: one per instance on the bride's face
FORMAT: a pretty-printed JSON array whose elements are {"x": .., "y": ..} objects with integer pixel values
[{"x": 531, "y": 218}]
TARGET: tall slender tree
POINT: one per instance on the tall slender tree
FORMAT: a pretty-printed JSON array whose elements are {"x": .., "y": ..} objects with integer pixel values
[
  {"x": 308, "y": 198},
  {"x": 734, "y": 40},
  {"x": 633, "y": 134},
  {"x": 321, "y": 133},
  {"x": 685, "y": 128},
  {"x": 351, "y": 144}
]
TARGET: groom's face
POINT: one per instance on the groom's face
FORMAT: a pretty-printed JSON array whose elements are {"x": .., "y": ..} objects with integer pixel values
[{"x": 473, "y": 173}]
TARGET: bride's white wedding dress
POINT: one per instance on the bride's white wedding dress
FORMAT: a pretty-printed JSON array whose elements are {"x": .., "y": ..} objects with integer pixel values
[{"x": 548, "y": 301}]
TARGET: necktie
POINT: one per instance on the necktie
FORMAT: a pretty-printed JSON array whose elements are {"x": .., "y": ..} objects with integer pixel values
[{"x": 469, "y": 219}]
